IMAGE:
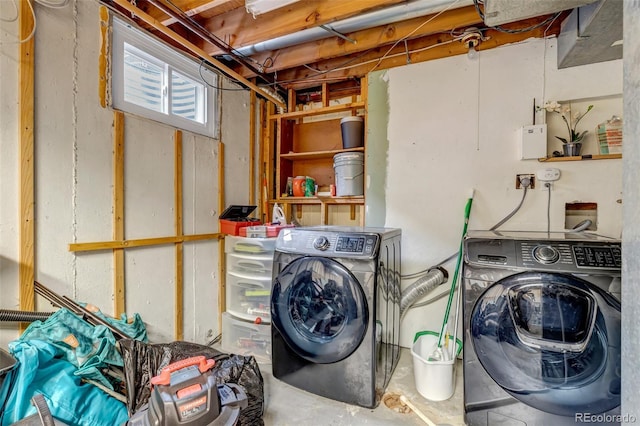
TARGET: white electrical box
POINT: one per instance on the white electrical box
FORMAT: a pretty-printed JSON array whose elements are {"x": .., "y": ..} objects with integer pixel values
[
  {"x": 533, "y": 141},
  {"x": 549, "y": 174}
]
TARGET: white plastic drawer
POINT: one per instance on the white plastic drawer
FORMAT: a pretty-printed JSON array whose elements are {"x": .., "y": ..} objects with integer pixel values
[
  {"x": 246, "y": 338},
  {"x": 250, "y": 264},
  {"x": 248, "y": 296},
  {"x": 249, "y": 246}
]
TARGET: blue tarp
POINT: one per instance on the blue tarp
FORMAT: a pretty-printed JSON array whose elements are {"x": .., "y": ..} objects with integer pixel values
[
  {"x": 43, "y": 369},
  {"x": 87, "y": 347},
  {"x": 53, "y": 357}
]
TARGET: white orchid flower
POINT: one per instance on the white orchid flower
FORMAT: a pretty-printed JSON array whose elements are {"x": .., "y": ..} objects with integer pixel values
[{"x": 552, "y": 106}]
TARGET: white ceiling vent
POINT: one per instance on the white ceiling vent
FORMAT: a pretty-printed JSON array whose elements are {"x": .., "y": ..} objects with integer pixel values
[{"x": 497, "y": 12}]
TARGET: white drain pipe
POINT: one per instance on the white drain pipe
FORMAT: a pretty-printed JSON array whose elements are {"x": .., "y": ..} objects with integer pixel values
[{"x": 401, "y": 12}]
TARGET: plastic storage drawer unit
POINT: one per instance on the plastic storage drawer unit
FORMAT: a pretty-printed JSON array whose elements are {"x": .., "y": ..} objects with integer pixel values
[
  {"x": 246, "y": 338},
  {"x": 246, "y": 264},
  {"x": 252, "y": 246},
  {"x": 248, "y": 296}
]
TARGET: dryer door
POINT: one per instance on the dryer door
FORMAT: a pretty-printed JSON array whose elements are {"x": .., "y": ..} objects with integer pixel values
[
  {"x": 319, "y": 308},
  {"x": 550, "y": 340}
]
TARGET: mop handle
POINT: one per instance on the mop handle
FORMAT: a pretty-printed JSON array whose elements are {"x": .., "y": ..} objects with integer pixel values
[{"x": 467, "y": 213}]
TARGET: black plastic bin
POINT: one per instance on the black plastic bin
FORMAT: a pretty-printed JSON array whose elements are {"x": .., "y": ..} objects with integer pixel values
[{"x": 7, "y": 365}]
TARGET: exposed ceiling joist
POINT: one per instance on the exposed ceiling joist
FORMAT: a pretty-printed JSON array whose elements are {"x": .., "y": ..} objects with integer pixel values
[
  {"x": 238, "y": 28},
  {"x": 385, "y": 35},
  {"x": 427, "y": 48},
  {"x": 292, "y": 46}
]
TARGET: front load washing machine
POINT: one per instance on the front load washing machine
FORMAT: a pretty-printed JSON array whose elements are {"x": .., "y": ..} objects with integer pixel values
[
  {"x": 335, "y": 311},
  {"x": 542, "y": 329}
]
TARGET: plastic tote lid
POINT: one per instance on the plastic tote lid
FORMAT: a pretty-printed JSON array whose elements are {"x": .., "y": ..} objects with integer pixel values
[
  {"x": 351, "y": 118},
  {"x": 237, "y": 212}
]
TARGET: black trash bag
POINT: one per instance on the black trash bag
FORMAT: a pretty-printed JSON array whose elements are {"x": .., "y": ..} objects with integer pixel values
[{"x": 142, "y": 361}]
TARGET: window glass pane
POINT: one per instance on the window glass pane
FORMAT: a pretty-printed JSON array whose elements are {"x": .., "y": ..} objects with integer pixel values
[
  {"x": 142, "y": 81},
  {"x": 152, "y": 80},
  {"x": 187, "y": 97}
]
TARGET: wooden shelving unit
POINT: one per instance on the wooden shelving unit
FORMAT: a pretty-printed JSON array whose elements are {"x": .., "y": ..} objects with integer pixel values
[{"x": 307, "y": 137}]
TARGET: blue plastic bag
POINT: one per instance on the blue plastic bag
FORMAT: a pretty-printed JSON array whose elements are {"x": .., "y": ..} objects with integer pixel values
[{"x": 43, "y": 368}]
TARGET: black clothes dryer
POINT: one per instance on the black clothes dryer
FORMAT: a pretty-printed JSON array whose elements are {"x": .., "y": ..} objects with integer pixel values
[
  {"x": 335, "y": 311},
  {"x": 542, "y": 329}
]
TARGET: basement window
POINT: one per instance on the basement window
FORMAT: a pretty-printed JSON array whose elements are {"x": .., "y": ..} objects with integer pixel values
[{"x": 152, "y": 80}]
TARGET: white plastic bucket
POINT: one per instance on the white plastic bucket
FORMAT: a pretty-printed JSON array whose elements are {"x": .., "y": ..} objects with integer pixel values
[
  {"x": 435, "y": 380},
  {"x": 349, "y": 171}
]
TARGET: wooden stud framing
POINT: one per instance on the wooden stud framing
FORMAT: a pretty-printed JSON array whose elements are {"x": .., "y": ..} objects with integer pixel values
[
  {"x": 119, "y": 243},
  {"x": 222, "y": 290},
  {"x": 252, "y": 148},
  {"x": 119, "y": 306},
  {"x": 324, "y": 213},
  {"x": 103, "y": 59},
  {"x": 195, "y": 49},
  {"x": 142, "y": 242},
  {"x": 261, "y": 158},
  {"x": 325, "y": 94},
  {"x": 179, "y": 289},
  {"x": 291, "y": 100},
  {"x": 26, "y": 270}
]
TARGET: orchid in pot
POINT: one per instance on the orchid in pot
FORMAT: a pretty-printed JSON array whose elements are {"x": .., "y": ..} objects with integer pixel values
[{"x": 572, "y": 144}]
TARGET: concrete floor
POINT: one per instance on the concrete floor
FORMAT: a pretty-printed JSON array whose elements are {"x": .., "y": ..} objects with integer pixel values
[{"x": 289, "y": 406}]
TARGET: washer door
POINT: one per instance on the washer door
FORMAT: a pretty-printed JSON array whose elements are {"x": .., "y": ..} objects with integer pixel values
[
  {"x": 320, "y": 309},
  {"x": 550, "y": 340}
]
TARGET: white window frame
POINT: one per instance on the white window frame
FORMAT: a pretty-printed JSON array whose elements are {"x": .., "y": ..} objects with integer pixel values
[{"x": 172, "y": 61}]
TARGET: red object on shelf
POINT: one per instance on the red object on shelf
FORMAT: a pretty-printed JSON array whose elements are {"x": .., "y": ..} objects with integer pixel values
[
  {"x": 236, "y": 217},
  {"x": 274, "y": 230}
]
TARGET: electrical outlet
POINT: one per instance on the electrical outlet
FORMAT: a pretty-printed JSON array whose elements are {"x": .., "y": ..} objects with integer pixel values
[{"x": 531, "y": 177}]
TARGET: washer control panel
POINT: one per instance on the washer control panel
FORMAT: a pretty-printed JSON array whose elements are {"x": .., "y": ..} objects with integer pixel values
[
  {"x": 355, "y": 244},
  {"x": 546, "y": 254},
  {"x": 571, "y": 255},
  {"x": 321, "y": 242},
  {"x": 598, "y": 257}
]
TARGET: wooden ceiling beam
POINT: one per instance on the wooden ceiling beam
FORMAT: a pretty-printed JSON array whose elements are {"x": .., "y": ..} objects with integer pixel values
[
  {"x": 423, "y": 49},
  {"x": 239, "y": 28},
  {"x": 192, "y": 7},
  {"x": 367, "y": 39},
  {"x": 205, "y": 9}
]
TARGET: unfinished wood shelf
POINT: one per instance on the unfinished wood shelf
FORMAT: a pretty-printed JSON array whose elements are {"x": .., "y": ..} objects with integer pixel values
[
  {"x": 580, "y": 158},
  {"x": 319, "y": 200},
  {"x": 313, "y": 155},
  {"x": 320, "y": 111}
]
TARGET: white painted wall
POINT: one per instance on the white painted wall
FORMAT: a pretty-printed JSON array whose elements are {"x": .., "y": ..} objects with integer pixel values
[
  {"x": 9, "y": 189},
  {"x": 452, "y": 127},
  {"x": 74, "y": 184}
]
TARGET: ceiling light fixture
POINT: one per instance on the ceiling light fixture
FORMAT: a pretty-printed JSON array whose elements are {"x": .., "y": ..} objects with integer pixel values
[
  {"x": 472, "y": 38},
  {"x": 259, "y": 7}
]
